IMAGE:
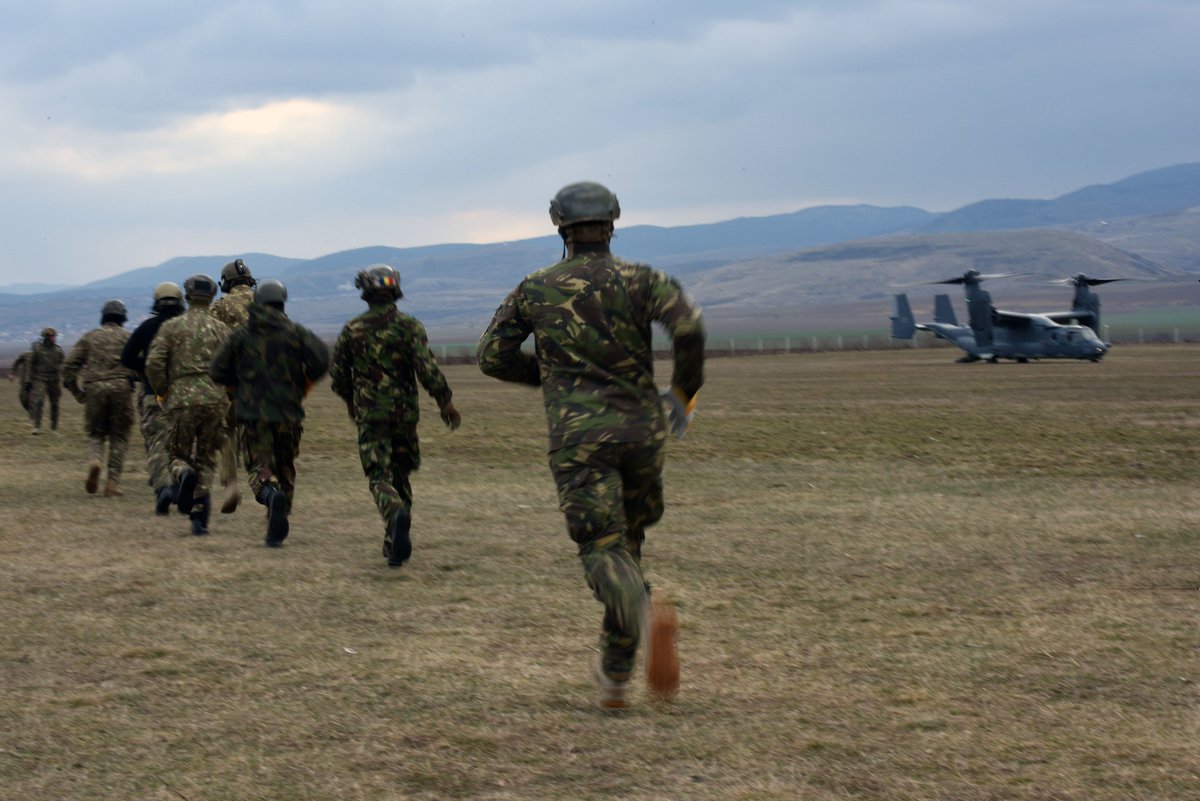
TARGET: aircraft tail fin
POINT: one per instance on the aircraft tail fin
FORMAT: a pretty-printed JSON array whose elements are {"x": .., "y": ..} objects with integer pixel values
[
  {"x": 904, "y": 325},
  {"x": 943, "y": 312}
]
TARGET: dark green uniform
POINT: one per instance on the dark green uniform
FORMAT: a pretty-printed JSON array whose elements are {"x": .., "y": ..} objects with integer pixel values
[
  {"x": 44, "y": 377},
  {"x": 590, "y": 316},
  {"x": 379, "y": 358},
  {"x": 19, "y": 368},
  {"x": 233, "y": 309},
  {"x": 271, "y": 363},
  {"x": 95, "y": 376}
]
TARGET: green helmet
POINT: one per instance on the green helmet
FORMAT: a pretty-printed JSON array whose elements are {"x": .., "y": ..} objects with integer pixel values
[
  {"x": 168, "y": 292},
  {"x": 235, "y": 273},
  {"x": 377, "y": 280},
  {"x": 271, "y": 292},
  {"x": 115, "y": 309},
  {"x": 200, "y": 287},
  {"x": 585, "y": 201}
]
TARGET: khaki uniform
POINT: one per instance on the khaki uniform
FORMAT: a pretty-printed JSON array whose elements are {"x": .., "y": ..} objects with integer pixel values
[{"x": 95, "y": 376}]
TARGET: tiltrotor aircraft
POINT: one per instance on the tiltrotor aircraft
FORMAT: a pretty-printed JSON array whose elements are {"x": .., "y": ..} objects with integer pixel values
[{"x": 994, "y": 334}]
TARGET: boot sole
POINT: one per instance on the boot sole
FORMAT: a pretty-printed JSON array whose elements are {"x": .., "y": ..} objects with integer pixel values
[
  {"x": 187, "y": 487},
  {"x": 277, "y": 522},
  {"x": 398, "y": 539},
  {"x": 93, "y": 479}
]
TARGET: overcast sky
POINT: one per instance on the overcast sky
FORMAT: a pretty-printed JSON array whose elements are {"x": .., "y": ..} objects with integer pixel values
[{"x": 135, "y": 131}]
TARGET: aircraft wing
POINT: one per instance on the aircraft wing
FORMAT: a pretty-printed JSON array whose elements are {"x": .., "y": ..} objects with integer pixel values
[
  {"x": 1081, "y": 316},
  {"x": 1012, "y": 320}
]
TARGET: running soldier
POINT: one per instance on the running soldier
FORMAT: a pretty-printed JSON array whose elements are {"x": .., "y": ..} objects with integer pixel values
[
  {"x": 44, "y": 379},
  {"x": 270, "y": 364},
  {"x": 233, "y": 309},
  {"x": 177, "y": 368},
  {"x": 590, "y": 316},
  {"x": 95, "y": 376},
  {"x": 378, "y": 360},
  {"x": 168, "y": 303}
]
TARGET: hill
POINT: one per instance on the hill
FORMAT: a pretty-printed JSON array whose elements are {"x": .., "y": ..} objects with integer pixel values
[{"x": 815, "y": 260}]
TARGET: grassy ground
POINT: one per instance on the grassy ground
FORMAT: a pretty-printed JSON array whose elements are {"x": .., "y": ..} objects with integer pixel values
[{"x": 898, "y": 578}]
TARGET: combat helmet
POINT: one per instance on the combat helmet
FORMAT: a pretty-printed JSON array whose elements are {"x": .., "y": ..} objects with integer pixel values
[
  {"x": 379, "y": 280},
  {"x": 271, "y": 292},
  {"x": 234, "y": 274},
  {"x": 113, "y": 311},
  {"x": 48, "y": 332},
  {"x": 585, "y": 201},
  {"x": 199, "y": 287},
  {"x": 168, "y": 293}
]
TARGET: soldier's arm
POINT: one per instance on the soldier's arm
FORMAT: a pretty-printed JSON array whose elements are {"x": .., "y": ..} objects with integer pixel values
[
  {"x": 426, "y": 367},
  {"x": 670, "y": 305},
  {"x": 499, "y": 353},
  {"x": 157, "y": 362},
  {"x": 74, "y": 364},
  {"x": 341, "y": 368},
  {"x": 316, "y": 356}
]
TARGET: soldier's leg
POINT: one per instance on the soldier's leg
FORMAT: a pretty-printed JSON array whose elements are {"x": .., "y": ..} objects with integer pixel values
[
  {"x": 55, "y": 394},
  {"x": 287, "y": 448},
  {"x": 642, "y": 484},
  {"x": 210, "y": 436},
  {"x": 386, "y": 463},
  {"x": 258, "y": 443},
  {"x": 93, "y": 414},
  {"x": 37, "y": 398},
  {"x": 120, "y": 424},
  {"x": 153, "y": 421},
  {"x": 590, "y": 496}
]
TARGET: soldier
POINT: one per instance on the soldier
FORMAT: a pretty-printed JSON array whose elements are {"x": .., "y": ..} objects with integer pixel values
[
  {"x": 168, "y": 303},
  {"x": 270, "y": 364},
  {"x": 17, "y": 373},
  {"x": 177, "y": 368},
  {"x": 590, "y": 316},
  {"x": 44, "y": 379},
  {"x": 378, "y": 360},
  {"x": 95, "y": 362},
  {"x": 233, "y": 309}
]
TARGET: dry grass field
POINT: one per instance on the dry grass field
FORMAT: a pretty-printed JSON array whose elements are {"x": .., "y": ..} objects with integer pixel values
[{"x": 898, "y": 578}]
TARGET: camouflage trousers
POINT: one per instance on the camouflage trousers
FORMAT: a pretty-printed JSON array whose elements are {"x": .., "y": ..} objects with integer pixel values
[
  {"x": 153, "y": 422},
  {"x": 107, "y": 419},
  {"x": 610, "y": 493},
  {"x": 229, "y": 451},
  {"x": 23, "y": 395},
  {"x": 389, "y": 452},
  {"x": 194, "y": 437},
  {"x": 41, "y": 390},
  {"x": 270, "y": 451}
]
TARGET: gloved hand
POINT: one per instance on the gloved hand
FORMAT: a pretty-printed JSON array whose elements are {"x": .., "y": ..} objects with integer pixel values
[
  {"x": 450, "y": 416},
  {"x": 679, "y": 408}
]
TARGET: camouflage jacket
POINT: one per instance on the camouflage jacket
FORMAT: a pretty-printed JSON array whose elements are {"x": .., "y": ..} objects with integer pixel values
[
  {"x": 590, "y": 316},
  {"x": 177, "y": 364},
  {"x": 45, "y": 362},
  {"x": 378, "y": 360},
  {"x": 96, "y": 357},
  {"x": 271, "y": 363},
  {"x": 233, "y": 308}
]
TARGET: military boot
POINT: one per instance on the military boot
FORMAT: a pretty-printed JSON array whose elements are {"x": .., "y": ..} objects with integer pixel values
[
  {"x": 93, "y": 477},
  {"x": 112, "y": 489},
  {"x": 163, "y": 498},
  {"x": 660, "y": 626},
  {"x": 232, "y": 498},
  {"x": 185, "y": 495},
  {"x": 397, "y": 544},
  {"x": 277, "y": 521},
  {"x": 199, "y": 515}
]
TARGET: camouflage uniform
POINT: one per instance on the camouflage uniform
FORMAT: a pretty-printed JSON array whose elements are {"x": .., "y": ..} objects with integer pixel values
[
  {"x": 271, "y": 363},
  {"x": 44, "y": 377},
  {"x": 19, "y": 368},
  {"x": 233, "y": 309},
  {"x": 591, "y": 317},
  {"x": 378, "y": 360},
  {"x": 152, "y": 420},
  {"x": 95, "y": 362},
  {"x": 177, "y": 369}
]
